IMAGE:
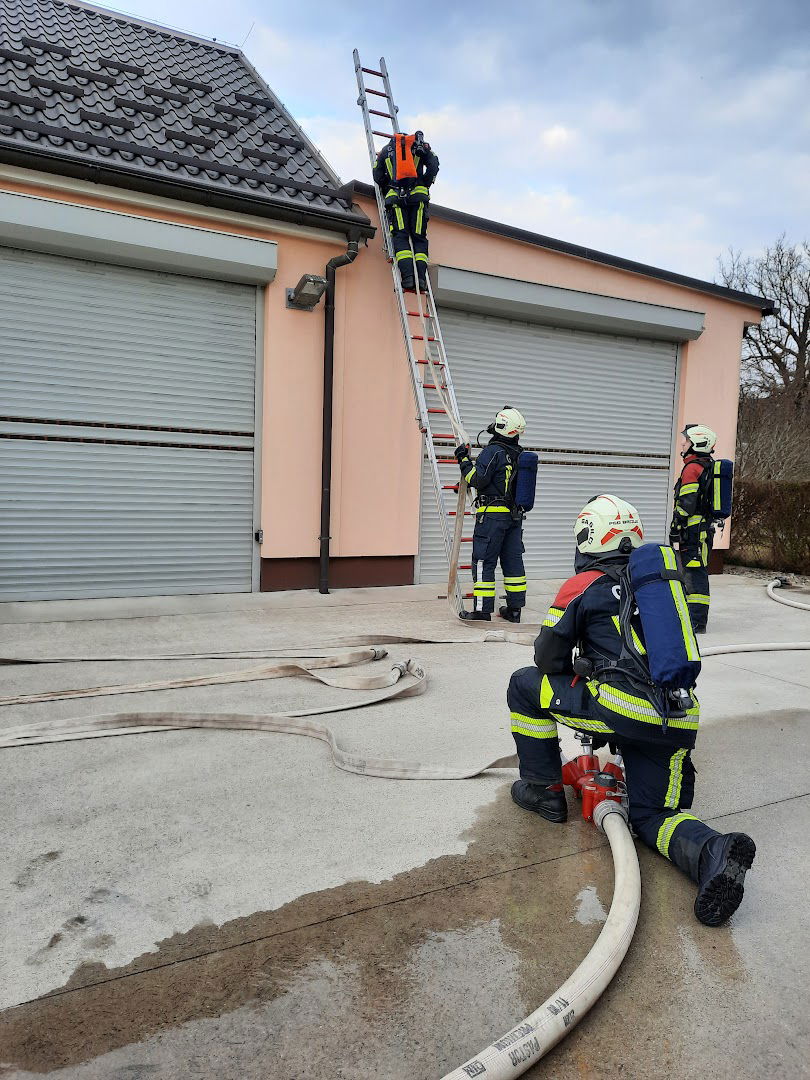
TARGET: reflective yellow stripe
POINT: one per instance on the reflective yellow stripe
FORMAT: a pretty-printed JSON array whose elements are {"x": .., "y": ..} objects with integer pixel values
[
  {"x": 419, "y": 189},
  {"x": 693, "y": 563},
  {"x": 698, "y": 598},
  {"x": 493, "y": 510},
  {"x": 695, "y": 519},
  {"x": 553, "y": 617},
  {"x": 470, "y": 475},
  {"x": 668, "y": 828},
  {"x": 636, "y": 639},
  {"x": 419, "y": 216},
  {"x": 687, "y": 489},
  {"x": 640, "y": 709},
  {"x": 400, "y": 218},
  {"x": 403, "y": 255},
  {"x": 420, "y": 256},
  {"x": 533, "y": 727},
  {"x": 516, "y": 580},
  {"x": 716, "y": 500},
  {"x": 583, "y": 722},
  {"x": 546, "y": 692},
  {"x": 675, "y": 779},
  {"x": 690, "y": 643},
  {"x": 389, "y": 166}
]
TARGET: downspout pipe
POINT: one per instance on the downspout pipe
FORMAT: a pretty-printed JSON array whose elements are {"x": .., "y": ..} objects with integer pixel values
[{"x": 328, "y": 395}]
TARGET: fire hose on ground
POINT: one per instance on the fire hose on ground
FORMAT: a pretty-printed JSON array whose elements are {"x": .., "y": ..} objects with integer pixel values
[{"x": 527, "y": 1042}]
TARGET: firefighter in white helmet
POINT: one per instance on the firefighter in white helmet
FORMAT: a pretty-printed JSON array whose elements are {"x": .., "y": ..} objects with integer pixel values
[
  {"x": 691, "y": 529},
  {"x": 605, "y": 699},
  {"x": 498, "y": 533}
]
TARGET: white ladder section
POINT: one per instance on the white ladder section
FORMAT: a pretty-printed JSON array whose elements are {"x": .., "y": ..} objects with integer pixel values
[{"x": 427, "y": 357}]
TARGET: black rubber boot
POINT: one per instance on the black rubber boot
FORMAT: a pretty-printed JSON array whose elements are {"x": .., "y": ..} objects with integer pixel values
[
  {"x": 549, "y": 802},
  {"x": 700, "y": 629},
  {"x": 476, "y": 616},
  {"x": 723, "y": 864},
  {"x": 511, "y": 614}
]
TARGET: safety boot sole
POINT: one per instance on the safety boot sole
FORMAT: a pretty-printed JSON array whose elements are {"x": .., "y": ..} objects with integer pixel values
[
  {"x": 722, "y": 894},
  {"x": 559, "y": 817}
]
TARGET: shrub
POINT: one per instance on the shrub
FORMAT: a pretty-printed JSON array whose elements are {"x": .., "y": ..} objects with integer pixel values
[{"x": 771, "y": 525}]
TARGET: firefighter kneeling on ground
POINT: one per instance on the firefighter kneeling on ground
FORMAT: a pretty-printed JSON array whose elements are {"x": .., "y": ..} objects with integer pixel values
[
  {"x": 406, "y": 167},
  {"x": 691, "y": 529},
  {"x": 498, "y": 530},
  {"x": 613, "y": 705}
]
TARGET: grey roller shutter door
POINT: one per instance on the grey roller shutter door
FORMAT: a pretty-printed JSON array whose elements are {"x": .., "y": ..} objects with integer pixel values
[
  {"x": 127, "y": 431},
  {"x": 599, "y": 412}
]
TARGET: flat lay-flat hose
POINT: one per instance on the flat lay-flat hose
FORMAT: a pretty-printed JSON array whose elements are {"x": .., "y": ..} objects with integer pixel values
[{"x": 527, "y": 1042}]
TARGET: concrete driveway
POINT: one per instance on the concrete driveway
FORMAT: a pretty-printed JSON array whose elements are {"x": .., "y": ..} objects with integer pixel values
[{"x": 198, "y": 904}]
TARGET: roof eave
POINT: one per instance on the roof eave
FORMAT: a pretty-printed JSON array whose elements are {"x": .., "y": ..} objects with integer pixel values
[
  {"x": 497, "y": 228},
  {"x": 356, "y": 224}
]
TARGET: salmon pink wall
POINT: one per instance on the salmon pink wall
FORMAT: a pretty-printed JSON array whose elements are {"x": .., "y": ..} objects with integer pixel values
[
  {"x": 376, "y": 444},
  {"x": 709, "y": 365}
]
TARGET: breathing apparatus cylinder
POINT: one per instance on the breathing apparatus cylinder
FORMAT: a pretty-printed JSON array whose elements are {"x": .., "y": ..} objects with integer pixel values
[{"x": 526, "y": 482}]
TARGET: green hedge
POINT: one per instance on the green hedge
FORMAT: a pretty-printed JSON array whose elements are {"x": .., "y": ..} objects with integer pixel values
[{"x": 771, "y": 525}]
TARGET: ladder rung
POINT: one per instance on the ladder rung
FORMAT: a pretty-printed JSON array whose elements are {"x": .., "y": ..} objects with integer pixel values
[
  {"x": 435, "y": 363},
  {"x": 420, "y": 337},
  {"x": 376, "y": 112},
  {"x": 378, "y": 93},
  {"x": 432, "y": 386},
  {"x": 438, "y": 436},
  {"x": 466, "y": 539},
  {"x": 383, "y": 134},
  {"x": 443, "y": 412},
  {"x": 371, "y": 71},
  {"x": 419, "y": 314},
  {"x": 446, "y": 461},
  {"x": 449, "y": 487},
  {"x": 453, "y": 513},
  {"x": 465, "y": 566}
]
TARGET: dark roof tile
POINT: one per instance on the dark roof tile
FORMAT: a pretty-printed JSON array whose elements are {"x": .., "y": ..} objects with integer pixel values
[{"x": 133, "y": 76}]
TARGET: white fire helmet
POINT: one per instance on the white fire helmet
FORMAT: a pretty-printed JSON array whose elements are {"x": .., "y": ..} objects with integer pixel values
[
  {"x": 509, "y": 422},
  {"x": 701, "y": 437},
  {"x": 608, "y": 523}
]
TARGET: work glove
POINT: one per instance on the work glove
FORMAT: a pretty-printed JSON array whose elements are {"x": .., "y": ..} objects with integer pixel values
[
  {"x": 391, "y": 199},
  {"x": 462, "y": 452}
]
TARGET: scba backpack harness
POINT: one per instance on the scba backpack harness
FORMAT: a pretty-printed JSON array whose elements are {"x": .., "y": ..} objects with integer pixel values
[{"x": 667, "y": 665}]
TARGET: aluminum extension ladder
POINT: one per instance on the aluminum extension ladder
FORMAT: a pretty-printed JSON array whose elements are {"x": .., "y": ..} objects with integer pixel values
[{"x": 427, "y": 357}]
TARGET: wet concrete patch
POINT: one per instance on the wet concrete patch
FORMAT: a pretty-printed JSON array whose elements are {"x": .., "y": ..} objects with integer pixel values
[
  {"x": 417, "y": 985},
  {"x": 360, "y": 943}
]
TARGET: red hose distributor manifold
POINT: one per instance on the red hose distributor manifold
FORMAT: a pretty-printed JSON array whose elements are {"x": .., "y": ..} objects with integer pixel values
[{"x": 593, "y": 783}]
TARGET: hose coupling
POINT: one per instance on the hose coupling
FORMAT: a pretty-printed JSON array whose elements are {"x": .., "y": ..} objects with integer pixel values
[
  {"x": 379, "y": 653},
  {"x": 608, "y": 806}
]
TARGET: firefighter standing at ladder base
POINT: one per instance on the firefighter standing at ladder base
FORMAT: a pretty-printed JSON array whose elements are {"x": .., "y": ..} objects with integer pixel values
[
  {"x": 691, "y": 529},
  {"x": 498, "y": 530},
  {"x": 405, "y": 169},
  {"x": 607, "y": 694}
]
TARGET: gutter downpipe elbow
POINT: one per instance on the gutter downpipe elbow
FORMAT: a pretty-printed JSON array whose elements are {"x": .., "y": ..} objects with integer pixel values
[{"x": 332, "y": 266}]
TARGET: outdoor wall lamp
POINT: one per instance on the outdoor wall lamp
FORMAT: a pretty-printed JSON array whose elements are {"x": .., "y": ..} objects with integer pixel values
[{"x": 307, "y": 292}]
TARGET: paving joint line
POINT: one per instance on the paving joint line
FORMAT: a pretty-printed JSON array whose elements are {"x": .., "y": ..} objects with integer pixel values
[
  {"x": 307, "y": 926},
  {"x": 760, "y": 674},
  {"x": 362, "y": 910}
]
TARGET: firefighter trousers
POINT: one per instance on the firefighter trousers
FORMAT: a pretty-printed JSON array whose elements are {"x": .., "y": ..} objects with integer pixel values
[
  {"x": 694, "y": 552},
  {"x": 660, "y": 774},
  {"x": 408, "y": 222},
  {"x": 497, "y": 536}
]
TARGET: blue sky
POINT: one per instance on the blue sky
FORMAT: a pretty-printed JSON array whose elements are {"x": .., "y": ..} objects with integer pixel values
[{"x": 661, "y": 131}]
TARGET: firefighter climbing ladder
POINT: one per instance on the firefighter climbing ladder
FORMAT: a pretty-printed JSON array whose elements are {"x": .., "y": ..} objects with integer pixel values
[{"x": 427, "y": 358}]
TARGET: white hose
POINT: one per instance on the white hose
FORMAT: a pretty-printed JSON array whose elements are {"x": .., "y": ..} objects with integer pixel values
[
  {"x": 777, "y": 583},
  {"x": 528, "y": 1041},
  {"x": 762, "y": 646}
]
